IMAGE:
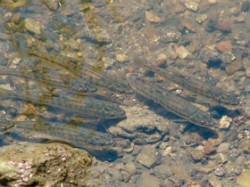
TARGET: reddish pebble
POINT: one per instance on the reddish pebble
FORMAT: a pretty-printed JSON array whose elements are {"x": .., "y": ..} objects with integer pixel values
[
  {"x": 189, "y": 26},
  {"x": 224, "y": 26},
  {"x": 179, "y": 9},
  {"x": 209, "y": 148},
  {"x": 224, "y": 46},
  {"x": 160, "y": 63},
  {"x": 130, "y": 69}
]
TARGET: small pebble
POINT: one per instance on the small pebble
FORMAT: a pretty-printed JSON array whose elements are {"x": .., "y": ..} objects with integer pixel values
[
  {"x": 51, "y": 4},
  {"x": 212, "y": 2},
  {"x": 147, "y": 180},
  {"x": 225, "y": 122},
  {"x": 167, "y": 151},
  {"x": 223, "y": 147},
  {"x": 244, "y": 180},
  {"x": 197, "y": 155},
  {"x": 224, "y": 46},
  {"x": 234, "y": 67},
  {"x": 192, "y": 5},
  {"x": 209, "y": 148},
  {"x": 32, "y": 26},
  {"x": 223, "y": 158},
  {"x": 121, "y": 57},
  {"x": 182, "y": 52},
  {"x": 147, "y": 157},
  {"x": 214, "y": 182},
  {"x": 224, "y": 26},
  {"x": 163, "y": 171},
  {"x": 245, "y": 6},
  {"x": 151, "y": 17},
  {"x": 219, "y": 172}
]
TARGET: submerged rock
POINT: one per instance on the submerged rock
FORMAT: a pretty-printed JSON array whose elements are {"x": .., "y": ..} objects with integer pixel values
[
  {"x": 141, "y": 125},
  {"x": 53, "y": 164},
  {"x": 244, "y": 180}
]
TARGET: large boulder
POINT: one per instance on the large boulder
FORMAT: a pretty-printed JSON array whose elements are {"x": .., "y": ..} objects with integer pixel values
[{"x": 35, "y": 164}]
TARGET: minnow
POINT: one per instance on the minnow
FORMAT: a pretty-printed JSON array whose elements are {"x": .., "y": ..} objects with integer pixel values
[{"x": 173, "y": 103}]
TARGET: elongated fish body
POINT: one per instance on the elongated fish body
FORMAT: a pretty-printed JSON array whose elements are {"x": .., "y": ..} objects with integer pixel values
[
  {"x": 85, "y": 106},
  {"x": 194, "y": 85},
  {"x": 173, "y": 103}
]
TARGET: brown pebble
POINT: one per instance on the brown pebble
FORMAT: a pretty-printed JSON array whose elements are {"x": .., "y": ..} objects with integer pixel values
[
  {"x": 246, "y": 148},
  {"x": 224, "y": 26},
  {"x": 209, "y": 148},
  {"x": 224, "y": 46},
  {"x": 160, "y": 63},
  {"x": 21, "y": 118},
  {"x": 215, "y": 142},
  {"x": 189, "y": 26},
  {"x": 247, "y": 113},
  {"x": 179, "y": 9},
  {"x": 151, "y": 17},
  {"x": 236, "y": 66},
  {"x": 30, "y": 109}
]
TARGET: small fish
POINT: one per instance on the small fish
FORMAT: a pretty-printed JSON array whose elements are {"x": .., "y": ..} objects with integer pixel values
[
  {"x": 96, "y": 143},
  {"x": 85, "y": 72},
  {"x": 173, "y": 103},
  {"x": 195, "y": 85},
  {"x": 84, "y": 106},
  {"x": 70, "y": 85}
]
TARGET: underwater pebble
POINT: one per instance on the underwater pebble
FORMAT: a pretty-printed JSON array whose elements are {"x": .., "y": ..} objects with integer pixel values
[
  {"x": 245, "y": 6},
  {"x": 51, "y": 4},
  {"x": 148, "y": 156},
  {"x": 192, "y": 4},
  {"x": 196, "y": 155},
  {"x": 225, "y": 122},
  {"x": 138, "y": 125},
  {"x": 246, "y": 146},
  {"x": 214, "y": 182},
  {"x": 209, "y": 148},
  {"x": 244, "y": 180},
  {"x": 182, "y": 52},
  {"x": 147, "y": 180},
  {"x": 212, "y": 2},
  {"x": 163, "y": 171},
  {"x": 130, "y": 167},
  {"x": 201, "y": 18},
  {"x": 151, "y": 17},
  {"x": 234, "y": 67},
  {"x": 224, "y": 46},
  {"x": 121, "y": 57},
  {"x": 248, "y": 71},
  {"x": 223, "y": 158},
  {"x": 32, "y": 26},
  {"x": 223, "y": 147},
  {"x": 220, "y": 172},
  {"x": 167, "y": 151},
  {"x": 224, "y": 26}
]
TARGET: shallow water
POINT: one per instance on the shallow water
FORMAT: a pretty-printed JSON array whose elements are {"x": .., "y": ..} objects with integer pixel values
[{"x": 86, "y": 49}]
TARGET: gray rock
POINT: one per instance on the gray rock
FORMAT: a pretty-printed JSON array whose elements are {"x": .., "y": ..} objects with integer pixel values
[
  {"x": 223, "y": 147},
  {"x": 163, "y": 171},
  {"x": 142, "y": 125},
  {"x": 147, "y": 180},
  {"x": 147, "y": 157}
]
